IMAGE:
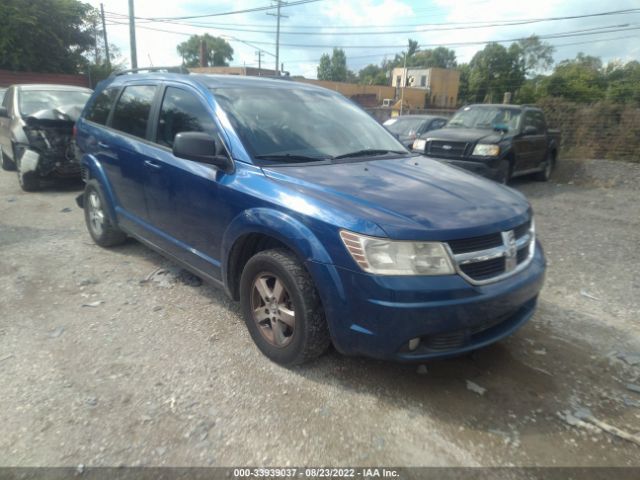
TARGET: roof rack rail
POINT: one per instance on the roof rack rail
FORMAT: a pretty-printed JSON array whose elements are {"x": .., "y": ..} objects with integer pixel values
[{"x": 178, "y": 69}]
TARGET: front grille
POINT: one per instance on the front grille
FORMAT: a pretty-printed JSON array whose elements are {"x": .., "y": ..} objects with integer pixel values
[
  {"x": 484, "y": 258},
  {"x": 484, "y": 270},
  {"x": 474, "y": 244},
  {"x": 439, "y": 148}
]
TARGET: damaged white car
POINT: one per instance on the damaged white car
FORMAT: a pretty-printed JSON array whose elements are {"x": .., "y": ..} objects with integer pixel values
[{"x": 36, "y": 131}]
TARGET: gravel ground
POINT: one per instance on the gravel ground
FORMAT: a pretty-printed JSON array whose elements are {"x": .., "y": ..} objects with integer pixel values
[{"x": 116, "y": 357}]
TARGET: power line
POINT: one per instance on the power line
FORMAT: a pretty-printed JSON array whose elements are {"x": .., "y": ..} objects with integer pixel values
[
  {"x": 423, "y": 27},
  {"x": 220, "y": 14}
]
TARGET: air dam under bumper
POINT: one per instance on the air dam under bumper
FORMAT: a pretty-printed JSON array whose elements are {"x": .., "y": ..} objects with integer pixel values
[{"x": 376, "y": 316}]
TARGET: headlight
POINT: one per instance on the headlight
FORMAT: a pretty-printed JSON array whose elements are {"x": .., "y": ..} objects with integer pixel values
[
  {"x": 389, "y": 257},
  {"x": 419, "y": 144},
  {"x": 486, "y": 150}
]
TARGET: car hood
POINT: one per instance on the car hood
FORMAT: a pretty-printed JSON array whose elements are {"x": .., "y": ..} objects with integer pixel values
[
  {"x": 62, "y": 116},
  {"x": 465, "y": 135},
  {"x": 408, "y": 198}
]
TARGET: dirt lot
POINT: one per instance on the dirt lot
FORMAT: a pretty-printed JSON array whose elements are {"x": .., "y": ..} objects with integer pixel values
[{"x": 99, "y": 366}]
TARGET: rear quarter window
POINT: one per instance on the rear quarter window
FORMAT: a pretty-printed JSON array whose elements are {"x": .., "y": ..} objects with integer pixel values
[
  {"x": 131, "y": 113},
  {"x": 99, "y": 111}
]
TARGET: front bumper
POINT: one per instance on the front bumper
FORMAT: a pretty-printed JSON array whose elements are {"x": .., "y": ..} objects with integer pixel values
[{"x": 376, "y": 316}]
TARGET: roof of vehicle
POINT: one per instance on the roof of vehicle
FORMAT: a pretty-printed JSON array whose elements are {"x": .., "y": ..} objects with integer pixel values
[
  {"x": 501, "y": 105},
  {"x": 213, "y": 81},
  {"x": 421, "y": 117},
  {"x": 49, "y": 86}
]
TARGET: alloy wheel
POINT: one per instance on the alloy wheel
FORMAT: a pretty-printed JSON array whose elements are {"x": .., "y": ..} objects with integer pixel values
[
  {"x": 96, "y": 213},
  {"x": 273, "y": 310}
]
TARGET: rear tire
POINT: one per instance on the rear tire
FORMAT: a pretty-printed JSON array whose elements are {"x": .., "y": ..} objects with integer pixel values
[
  {"x": 101, "y": 227},
  {"x": 282, "y": 308},
  {"x": 7, "y": 164}
]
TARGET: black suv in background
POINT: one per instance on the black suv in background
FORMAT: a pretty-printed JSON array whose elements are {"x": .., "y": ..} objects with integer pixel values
[{"x": 495, "y": 141}]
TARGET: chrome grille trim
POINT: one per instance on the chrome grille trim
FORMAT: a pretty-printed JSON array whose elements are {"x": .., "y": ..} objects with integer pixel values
[{"x": 509, "y": 250}]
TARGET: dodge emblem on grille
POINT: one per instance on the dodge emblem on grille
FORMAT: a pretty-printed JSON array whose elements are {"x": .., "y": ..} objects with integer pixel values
[
  {"x": 510, "y": 252},
  {"x": 447, "y": 147}
]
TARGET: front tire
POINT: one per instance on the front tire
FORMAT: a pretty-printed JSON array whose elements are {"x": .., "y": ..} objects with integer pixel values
[
  {"x": 282, "y": 308},
  {"x": 7, "y": 164},
  {"x": 101, "y": 227},
  {"x": 505, "y": 170},
  {"x": 549, "y": 164},
  {"x": 29, "y": 181}
]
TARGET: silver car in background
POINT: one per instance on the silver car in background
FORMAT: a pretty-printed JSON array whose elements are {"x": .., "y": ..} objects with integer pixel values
[{"x": 36, "y": 131}]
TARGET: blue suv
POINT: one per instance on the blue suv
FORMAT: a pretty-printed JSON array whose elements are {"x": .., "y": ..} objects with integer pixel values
[{"x": 312, "y": 215}]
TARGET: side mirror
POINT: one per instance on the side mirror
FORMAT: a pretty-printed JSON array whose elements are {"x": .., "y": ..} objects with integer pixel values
[
  {"x": 530, "y": 130},
  {"x": 199, "y": 147},
  {"x": 3, "y": 112}
]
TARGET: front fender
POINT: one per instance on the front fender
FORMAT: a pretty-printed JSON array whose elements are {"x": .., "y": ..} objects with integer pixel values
[
  {"x": 279, "y": 225},
  {"x": 299, "y": 239},
  {"x": 96, "y": 172}
]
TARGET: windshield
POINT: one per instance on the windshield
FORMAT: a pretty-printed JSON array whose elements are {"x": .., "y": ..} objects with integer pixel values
[
  {"x": 499, "y": 118},
  {"x": 302, "y": 125},
  {"x": 32, "y": 101},
  {"x": 403, "y": 126}
]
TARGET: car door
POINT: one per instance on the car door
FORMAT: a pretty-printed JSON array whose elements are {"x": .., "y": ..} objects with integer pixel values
[
  {"x": 524, "y": 143},
  {"x": 539, "y": 153},
  {"x": 123, "y": 152},
  {"x": 183, "y": 196}
]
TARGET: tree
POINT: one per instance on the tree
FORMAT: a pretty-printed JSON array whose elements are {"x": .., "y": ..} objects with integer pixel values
[
  {"x": 534, "y": 54},
  {"x": 217, "y": 51},
  {"x": 324, "y": 69},
  {"x": 439, "y": 57},
  {"x": 580, "y": 80},
  {"x": 333, "y": 68},
  {"x": 45, "y": 35},
  {"x": 372, "y": 75},
  {"x": 623, "y": 82},
  {"x": 494, "y": 71}
]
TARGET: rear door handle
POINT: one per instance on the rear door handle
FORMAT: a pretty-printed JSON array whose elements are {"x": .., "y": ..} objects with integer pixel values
[
  {"x": 153, "y": 165},
  {"x": 103, "y": 145}
]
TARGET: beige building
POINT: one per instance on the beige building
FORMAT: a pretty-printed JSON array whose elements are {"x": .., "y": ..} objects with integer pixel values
[{"x": 441, "y": 84}]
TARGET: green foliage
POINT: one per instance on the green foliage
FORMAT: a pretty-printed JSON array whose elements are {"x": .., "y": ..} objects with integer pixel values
[
  {"x": 333, "y": 67},
  {"x": 372, "y": 75},
  {"x": 217, "y": 51},
  {"x": 439, "y": 57},
  {"x": 494, "y": 71},
  {"x": 45, "y": 35},
  {"x": 533, "y": 54},
  {"x": 580, "y": 80}
]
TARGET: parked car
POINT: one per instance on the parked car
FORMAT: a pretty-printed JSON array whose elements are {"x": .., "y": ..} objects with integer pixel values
[
  {"x": 408, "y": 127},
  {"x": 36, "y": 124},
  {"x": 497, "y": 141},
  {"x": 312, "y": 215}
]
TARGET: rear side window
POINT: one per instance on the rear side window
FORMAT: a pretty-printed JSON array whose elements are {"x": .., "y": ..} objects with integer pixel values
[
  {"x": 99, "y": 111},
  {"x": 131, "y": 113},
  {"x": 182, "y": 111}
]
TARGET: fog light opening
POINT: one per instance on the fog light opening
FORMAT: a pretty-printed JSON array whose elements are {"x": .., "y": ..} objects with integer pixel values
[{"x": 413, "y": 343}]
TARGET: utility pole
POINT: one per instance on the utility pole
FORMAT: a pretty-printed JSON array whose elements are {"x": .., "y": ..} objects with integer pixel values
[
  {"x": 132, "y": 36},
  {"x": 104, "y": 34},
  {"x": 259, "y": 52},
  {"x": 404, "y": 82},
  {"x": 278, "y": 16}
]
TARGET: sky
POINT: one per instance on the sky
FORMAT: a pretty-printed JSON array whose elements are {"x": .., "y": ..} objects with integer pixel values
[{"x": 317, "y": 27}]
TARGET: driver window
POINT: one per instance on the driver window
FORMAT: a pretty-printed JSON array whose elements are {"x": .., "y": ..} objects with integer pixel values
[{"x": 181, "y": 111}]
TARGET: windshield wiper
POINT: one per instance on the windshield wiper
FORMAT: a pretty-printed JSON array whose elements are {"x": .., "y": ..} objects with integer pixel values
[
  {"x": 291, "y": 157},
  {"x": 368, "y": 152}
]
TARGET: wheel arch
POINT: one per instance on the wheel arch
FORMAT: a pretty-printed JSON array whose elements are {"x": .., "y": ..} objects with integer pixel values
[
  {"x": 260, "y": 229},
  {"x": 93, "y": 170}
]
